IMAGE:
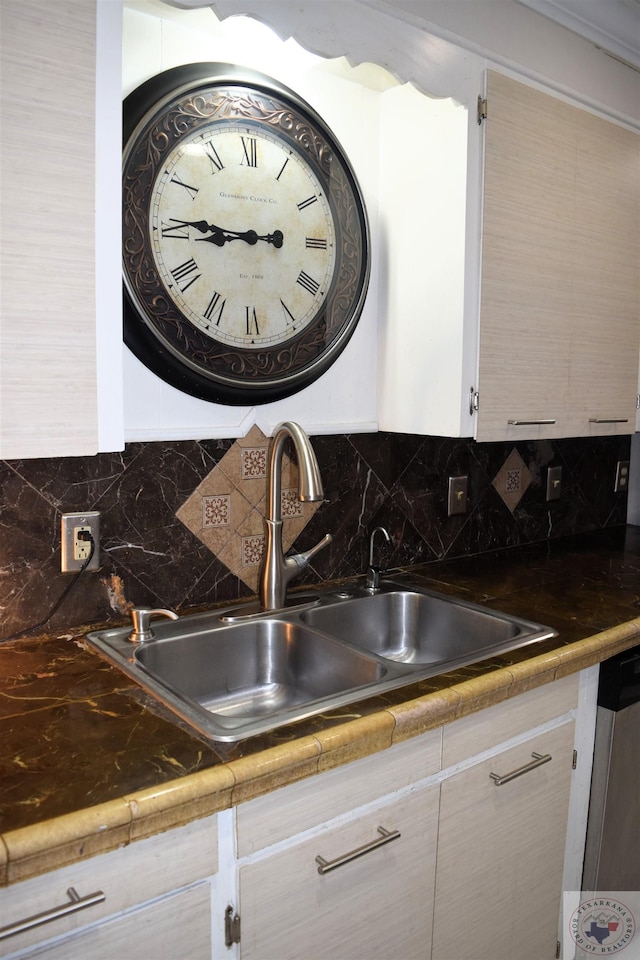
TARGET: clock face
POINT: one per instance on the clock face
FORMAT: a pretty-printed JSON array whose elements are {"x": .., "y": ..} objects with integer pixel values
[{"x": 246, "y": 256}]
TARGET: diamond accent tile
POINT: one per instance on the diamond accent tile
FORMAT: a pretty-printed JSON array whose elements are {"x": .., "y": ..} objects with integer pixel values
[
  {"x": 226, "y": 510},
  {"x": 512, "y": 480}
]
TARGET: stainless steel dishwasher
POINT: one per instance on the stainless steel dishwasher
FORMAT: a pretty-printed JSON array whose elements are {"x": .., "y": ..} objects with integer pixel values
[{"x": 612, "y": 852}]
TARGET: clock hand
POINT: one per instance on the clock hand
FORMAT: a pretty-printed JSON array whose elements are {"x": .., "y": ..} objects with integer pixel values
[
  {"x": 220, "y": 236},
  {"x": 249, "y": 236}
]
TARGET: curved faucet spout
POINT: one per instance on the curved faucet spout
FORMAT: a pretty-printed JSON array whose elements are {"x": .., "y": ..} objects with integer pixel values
[
  {"x": 278, "y": 570},
  {"x": 373, "y": 572}
]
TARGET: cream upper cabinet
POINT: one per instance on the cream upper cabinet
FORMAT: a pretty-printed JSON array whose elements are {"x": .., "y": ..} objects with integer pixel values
[
  {"x": 60, "y": 328},
  {"x": 560, "y": 286},
  {"x": 513, "y": 284}
]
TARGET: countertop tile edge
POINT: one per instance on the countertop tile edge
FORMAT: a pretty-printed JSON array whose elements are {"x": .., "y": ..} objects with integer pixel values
[
  {"x": 75, "y": 836},
  {"x": 355, "y": 739},
  {"x": 273, "y": 768},
  {"x": 178, "y": 802}
]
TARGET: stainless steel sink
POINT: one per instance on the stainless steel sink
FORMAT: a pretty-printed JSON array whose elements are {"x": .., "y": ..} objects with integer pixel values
[
  {"x": 232, "y": 673},
  {"x": 418, "y": 628},
  {"x": 256, "y": 669}
]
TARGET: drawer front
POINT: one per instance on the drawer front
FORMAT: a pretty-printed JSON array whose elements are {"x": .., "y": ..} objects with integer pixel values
[
  {"x": 487, "y": 728},
  {"x": 131, "y": 875},
  {"x": 178, "y": 926},
  {"x": 301, "y": 806},
  {"x": 378, "y": 904}
]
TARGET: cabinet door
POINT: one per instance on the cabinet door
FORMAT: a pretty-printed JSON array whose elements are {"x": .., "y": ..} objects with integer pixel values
[
  {"x": 176, "y": 927},
  {"x": 377, "y": 905},
  {"x": 60, "y": 335},
  {"x": 501, "y": 854},
  {"x": 122, "y": 879},
  {"x": 560, "y": 292}
]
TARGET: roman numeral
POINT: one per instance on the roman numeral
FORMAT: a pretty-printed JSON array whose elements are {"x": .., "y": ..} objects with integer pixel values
[
  {"x": 249, "y": 152},
  {"x": 214, "y": 309},
  {"x": 251, "y": 322},
  {"x": 192, "y": 191},
  {"x": 289, "y": 317},
  {"x": 308, "y": 283},
  {"x": 307, "y": 203},
  {"x": 315, "y": 243},
  {"x": 213, "y": 158},
  {"x": 282, "y": 168},
  {"x": 183, "y": 272},
  {"x": 177, "y": 229}
]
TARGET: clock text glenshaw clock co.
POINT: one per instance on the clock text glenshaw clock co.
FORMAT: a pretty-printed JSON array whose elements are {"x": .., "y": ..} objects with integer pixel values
[{"x": 246, "y": 248}]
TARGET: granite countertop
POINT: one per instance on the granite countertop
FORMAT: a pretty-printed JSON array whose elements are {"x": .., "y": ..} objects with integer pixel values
[{"x": 89, "y": 761}]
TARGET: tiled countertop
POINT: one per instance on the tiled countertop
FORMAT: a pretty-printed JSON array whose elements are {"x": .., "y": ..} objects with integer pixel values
[{"x": 89, "y": 762}]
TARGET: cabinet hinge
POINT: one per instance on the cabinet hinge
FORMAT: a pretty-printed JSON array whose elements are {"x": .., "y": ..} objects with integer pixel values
[
  {"x": 474, "y": 401},
  {"x": 231, "y": 927},
  {"x": 574, "y": 762},
  {"x": 638, "y": 402},
  {"x": 558, "y": 948},
  {"x": 482, "y": 109}
]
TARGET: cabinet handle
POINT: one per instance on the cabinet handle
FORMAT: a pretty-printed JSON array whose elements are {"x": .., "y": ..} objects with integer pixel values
[
  {"x": 609, "y": 420},
  {"x": 530, "y": 423},
  {"x": 75, "y": 903},
  {"x": 386, "y": 836},
  {"x": 538, "y": 760}
]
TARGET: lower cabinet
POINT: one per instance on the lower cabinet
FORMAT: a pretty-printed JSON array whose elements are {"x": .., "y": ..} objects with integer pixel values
[
  {"x": 150, "y": 899},
  {"x": 501, "y": 845},
  {"x": 449, "y": 846},
  {"x": 373, "y": 901},
  {"x": 478, "y": 814}
]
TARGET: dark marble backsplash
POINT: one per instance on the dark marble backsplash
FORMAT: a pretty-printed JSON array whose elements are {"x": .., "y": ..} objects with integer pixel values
[{"x": 396, "y": 480}]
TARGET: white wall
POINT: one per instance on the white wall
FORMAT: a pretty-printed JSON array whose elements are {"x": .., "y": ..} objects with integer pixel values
[{"x": 155, "y": 38}]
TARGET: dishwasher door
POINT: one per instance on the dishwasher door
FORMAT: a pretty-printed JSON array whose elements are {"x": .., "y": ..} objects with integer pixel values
[{"x": 612, "y": 852}]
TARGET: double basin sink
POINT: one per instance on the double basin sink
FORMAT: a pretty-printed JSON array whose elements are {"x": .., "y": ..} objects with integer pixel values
[{"x": 231, "y": 674}]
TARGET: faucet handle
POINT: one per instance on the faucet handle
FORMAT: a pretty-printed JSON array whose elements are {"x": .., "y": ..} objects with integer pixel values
[
  {"x": 141, "y": 617},
  {"x": 302, "y": 559}
]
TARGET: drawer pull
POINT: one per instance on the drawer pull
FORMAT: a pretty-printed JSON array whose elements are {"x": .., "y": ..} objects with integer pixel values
[
  {"x": 530, "y": 423},
  {"x": 610, "y": 420},
  {"x": 55, "y": 913},
  {"x": 538, "y": 760},
  {"x": 386, "y": 836}
]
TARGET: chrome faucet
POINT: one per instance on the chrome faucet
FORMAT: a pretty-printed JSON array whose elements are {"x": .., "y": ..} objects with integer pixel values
[
  {"x": 373, "y": 573},
  {"x": 277, "y": 570}
]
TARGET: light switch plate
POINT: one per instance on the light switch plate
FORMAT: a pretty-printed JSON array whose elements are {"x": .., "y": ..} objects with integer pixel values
[
  {"x": 457, "y": 499},
  {"x": 554, "y": 483}
]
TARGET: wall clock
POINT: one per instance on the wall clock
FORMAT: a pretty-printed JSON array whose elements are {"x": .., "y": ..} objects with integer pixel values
[{"x": 246, "y": 248}]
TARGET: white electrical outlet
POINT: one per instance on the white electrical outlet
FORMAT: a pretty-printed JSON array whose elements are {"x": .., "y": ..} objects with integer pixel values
[{"x": 75, "y": 549}]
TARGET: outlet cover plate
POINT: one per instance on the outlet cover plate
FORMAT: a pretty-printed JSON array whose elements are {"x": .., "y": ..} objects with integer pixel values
[
  {"x": 71, "y": 522},
  {"x": 622, "y": 476}
]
